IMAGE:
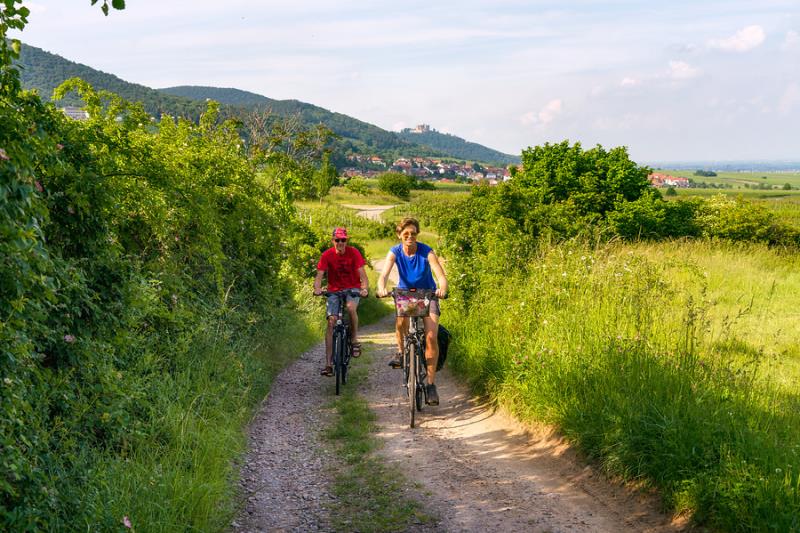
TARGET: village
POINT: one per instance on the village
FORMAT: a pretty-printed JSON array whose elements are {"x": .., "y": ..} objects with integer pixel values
[{"x": 370, "y": 166}]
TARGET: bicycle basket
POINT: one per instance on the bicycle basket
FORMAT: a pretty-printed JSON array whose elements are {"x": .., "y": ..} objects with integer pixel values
[{"x": 410, "y": 304}]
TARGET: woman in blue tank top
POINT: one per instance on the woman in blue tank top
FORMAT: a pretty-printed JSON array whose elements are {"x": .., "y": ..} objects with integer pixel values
[{"x": 417, "y": 264}]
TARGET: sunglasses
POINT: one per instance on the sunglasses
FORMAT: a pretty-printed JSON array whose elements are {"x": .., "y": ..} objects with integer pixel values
[{"x": 339, "y": 240}]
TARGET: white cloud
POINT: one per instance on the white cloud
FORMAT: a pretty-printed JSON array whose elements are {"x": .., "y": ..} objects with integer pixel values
[
  {"x": 544, "y": 116},
  {"x": 742, "y": 41},
  {"x": 680, "y": 70},
  {"x": 630, "y": 82},
  {"x": 792, "y": 41}
]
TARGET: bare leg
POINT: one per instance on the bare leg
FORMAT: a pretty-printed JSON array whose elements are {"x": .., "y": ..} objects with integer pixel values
[
  {"x": 329, "y": 341},
  {"x": 353, "y": 310},
  {"x": 401, "y": 329},
  {"x": 431, "y": 345}
]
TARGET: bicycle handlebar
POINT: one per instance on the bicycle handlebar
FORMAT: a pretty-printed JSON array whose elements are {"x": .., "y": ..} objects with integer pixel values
[
  {"x": 421, "y": 292},
  {"x": 352, "y": 292}
]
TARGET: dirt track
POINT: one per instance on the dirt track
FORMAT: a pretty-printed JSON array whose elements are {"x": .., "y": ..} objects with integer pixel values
[{"x": 479, "y": 469}]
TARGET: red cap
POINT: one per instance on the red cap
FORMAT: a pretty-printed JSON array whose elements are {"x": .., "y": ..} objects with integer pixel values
[{"x": 339, "y": 233}]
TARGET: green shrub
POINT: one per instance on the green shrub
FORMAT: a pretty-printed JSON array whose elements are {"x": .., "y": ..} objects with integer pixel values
[
  {"x": 357, "y": 186},
  {"x": 396, "y": 184}
]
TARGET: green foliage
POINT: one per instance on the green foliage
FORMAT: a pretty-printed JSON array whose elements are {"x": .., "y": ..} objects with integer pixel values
[
  {"x": 737, "y": 219},
  {"x": 357, "y": 186},
  {"x": 396, "y": 184},
  {"x": 141, "y": 263},
  {"x": 705, "y": 173},
  {"x": 671, "y": 192}
]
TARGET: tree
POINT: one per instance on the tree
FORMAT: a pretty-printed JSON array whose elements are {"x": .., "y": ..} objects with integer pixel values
[
  {"x": 396, "y": 184},
  {"x": 590, "y": 181}
]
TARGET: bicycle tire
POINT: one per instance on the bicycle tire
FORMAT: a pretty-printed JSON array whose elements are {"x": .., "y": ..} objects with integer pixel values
[
  {"x": 337, "y": 360},
  {"x": 346, "y": 351},
  {"x": 412, "y": 382}
]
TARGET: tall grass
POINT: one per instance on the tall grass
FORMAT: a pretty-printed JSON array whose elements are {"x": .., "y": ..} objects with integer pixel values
[
  {"x": 625, "y": 352},
  {"x": 180, "y": 471}
]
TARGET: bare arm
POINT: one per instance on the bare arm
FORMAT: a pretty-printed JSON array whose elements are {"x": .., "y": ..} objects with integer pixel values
[
  {"x": 318, "y": 282},
  {"x": 438, "y": 271},
  {"x": 388, "y": 265},
  {"x": 362, "y": 276}
]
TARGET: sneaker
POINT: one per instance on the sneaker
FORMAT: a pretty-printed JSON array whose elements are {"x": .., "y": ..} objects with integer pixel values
[
  {"x": 432, "y": 397},
  {"x": 397, "y": 361}
]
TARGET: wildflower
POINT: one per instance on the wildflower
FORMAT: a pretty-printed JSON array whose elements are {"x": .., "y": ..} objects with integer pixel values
[
  {"x": 71, "y": 210},
  {"x": 38, "y": 186},
  {"x": 544, "y": 322},
  {"x": 4, "y": 155},
  {"x": 69, "y": 338},
  {"x": 60, "y": 146},
  {"x": 8, "y": 381},
  {"x": 127, "y": 522},
  {"x": 778, "y": 470},
  {"x": 564, "y": 274}
]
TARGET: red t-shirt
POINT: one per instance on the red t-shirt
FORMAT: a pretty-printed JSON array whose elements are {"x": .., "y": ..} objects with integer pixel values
[{"x": 342, "y": 269}]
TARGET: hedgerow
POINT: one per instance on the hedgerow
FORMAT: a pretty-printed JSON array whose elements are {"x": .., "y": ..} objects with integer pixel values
[{"x": 148, "y": 282}]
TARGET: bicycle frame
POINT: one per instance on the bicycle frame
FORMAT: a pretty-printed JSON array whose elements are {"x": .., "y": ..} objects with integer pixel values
[
  {"x": 340, "y": 346},
  {"x": 415, "y": 370}
]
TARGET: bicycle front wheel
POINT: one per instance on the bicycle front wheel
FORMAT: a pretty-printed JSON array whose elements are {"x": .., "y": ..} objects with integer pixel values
[
  {"x": 412, "y": 382},
  {"x": 338, "y": 357}
]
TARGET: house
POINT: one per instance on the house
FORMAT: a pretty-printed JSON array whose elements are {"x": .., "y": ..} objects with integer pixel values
[{"x": 665, "y": 180}]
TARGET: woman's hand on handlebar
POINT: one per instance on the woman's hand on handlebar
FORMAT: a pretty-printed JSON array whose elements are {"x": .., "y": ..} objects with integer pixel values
[
  {"x": 441, "y": 293},
  {"x": 381, "y": 292}
]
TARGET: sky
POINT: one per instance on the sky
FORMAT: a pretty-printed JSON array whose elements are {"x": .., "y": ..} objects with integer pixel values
[{"x": 677, "y": 80}]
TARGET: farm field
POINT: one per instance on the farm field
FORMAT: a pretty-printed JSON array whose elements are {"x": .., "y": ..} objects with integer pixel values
[{"x": 740, "y": 179}]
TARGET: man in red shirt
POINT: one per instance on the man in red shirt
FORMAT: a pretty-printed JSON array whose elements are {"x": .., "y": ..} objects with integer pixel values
[{"x": 345, "y": 267}]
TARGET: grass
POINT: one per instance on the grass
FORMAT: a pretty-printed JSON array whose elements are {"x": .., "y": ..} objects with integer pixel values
[
  {"x": 179, "y": 474},
  {"x": 654, "y": 361},
  {"x": 371, "y": 495},
  {"x": 740, "y": 179}
]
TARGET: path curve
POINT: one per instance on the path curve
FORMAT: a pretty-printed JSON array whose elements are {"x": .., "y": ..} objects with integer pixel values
[{"x": 372, "y": 212}]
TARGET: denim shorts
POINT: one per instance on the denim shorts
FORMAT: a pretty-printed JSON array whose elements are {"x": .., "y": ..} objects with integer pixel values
[{"x": 333, "y": 303}]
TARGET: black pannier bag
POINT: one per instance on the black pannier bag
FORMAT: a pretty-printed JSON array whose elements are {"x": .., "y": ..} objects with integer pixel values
[{"x": 444, "y": 343}]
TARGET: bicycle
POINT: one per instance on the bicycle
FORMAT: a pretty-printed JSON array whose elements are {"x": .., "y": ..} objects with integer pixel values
[
  {"x": 414, "y": 304},
  {"x": 341, "y": 347}
]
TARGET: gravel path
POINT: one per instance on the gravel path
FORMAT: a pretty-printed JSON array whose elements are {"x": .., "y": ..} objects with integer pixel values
[
  {"x": 284, "y": 479},
  {"x": 477, "y": 468}
]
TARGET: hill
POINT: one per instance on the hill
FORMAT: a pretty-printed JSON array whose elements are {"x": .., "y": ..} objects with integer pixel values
[
  {"x": 456, "y": 146},
  {"x": 43, "y": 71}
]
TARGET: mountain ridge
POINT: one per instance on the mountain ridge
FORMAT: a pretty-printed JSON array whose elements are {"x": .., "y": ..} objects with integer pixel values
[{"x": 43, "y": 71}]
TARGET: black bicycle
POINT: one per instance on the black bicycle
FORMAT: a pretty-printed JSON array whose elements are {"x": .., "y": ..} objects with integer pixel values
[
  {"x": 415, "y": 305},
  {"x": 342, "y": 348}
]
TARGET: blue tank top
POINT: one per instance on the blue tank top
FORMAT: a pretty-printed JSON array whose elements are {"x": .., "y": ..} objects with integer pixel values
[{"x": 415, "y": 271}]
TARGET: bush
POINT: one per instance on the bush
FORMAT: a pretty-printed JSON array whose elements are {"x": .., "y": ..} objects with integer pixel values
[
  {"x": 396, "y": 184},
  {"x": 357, "y": 186}
]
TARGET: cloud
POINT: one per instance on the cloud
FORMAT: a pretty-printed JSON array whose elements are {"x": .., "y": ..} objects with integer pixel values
[
  {"x": 630, "y": 82},
  {"x": 680, "y": 70},
  {"x": 544, "y": 116},
  {"x": 742, "y": 41},
  {"x": 792, "y": 41}
]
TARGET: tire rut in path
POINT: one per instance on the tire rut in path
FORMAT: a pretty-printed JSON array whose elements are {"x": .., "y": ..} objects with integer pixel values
[
  {"x": 480, "y": 470},
  {"x": 477, "y": 468}
]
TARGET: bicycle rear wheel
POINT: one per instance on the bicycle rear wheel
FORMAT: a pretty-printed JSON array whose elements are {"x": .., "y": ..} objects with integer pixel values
[{"x": 412, "y": 382}]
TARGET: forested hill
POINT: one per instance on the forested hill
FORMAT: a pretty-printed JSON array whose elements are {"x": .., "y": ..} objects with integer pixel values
[
  {"x": 44, "y": 71},
  {"x": 457, "y": 146},
  {"x": 372, "y": 137}
]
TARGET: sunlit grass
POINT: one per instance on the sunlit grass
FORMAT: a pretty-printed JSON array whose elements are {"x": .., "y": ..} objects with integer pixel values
[{"x": 652, "y": 359}]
